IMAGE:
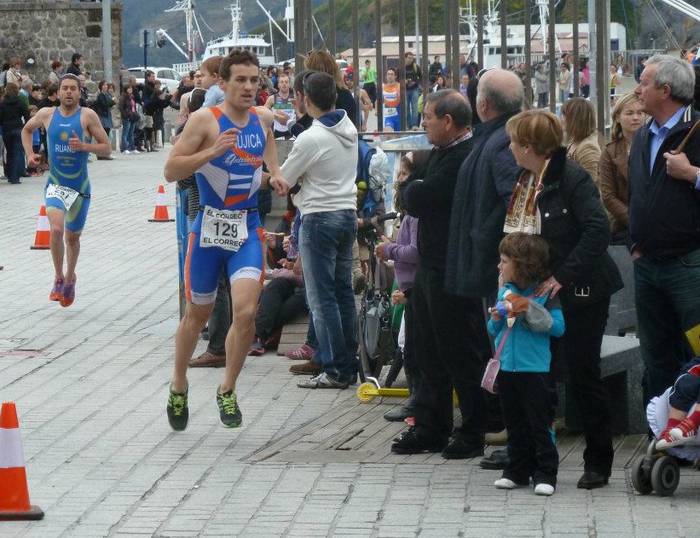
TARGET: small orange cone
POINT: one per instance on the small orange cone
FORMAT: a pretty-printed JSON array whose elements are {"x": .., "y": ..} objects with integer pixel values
[
  {"x": 14, "y": 493},
  {"x": 161, "y": 212},
  {"x": 42, "y": 237}
]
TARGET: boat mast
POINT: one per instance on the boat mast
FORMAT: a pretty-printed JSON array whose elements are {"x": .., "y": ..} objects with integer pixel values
[{"x": 187, "y": 6}]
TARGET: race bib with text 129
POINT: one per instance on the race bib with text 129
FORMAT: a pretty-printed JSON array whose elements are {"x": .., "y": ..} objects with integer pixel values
[{"x": 223, "y": 228}]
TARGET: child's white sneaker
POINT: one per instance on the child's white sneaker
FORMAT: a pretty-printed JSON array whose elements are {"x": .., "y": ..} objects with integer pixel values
[
  {"x": 544, "y": 489},
  {"x": 505, "y": 483}
]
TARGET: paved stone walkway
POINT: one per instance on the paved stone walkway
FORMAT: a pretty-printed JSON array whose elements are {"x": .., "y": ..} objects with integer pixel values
[{"x": 90, "y": 384}]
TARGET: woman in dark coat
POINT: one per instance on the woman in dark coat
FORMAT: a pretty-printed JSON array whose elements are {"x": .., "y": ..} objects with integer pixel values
[
  {"x": 13, "y": 115},
  {"x": 557, "y": 199},
  {"x": 103, "y": 105}
]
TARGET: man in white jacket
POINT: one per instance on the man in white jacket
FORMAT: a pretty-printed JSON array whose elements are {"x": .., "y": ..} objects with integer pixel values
[{"x": 323, "y": 162}]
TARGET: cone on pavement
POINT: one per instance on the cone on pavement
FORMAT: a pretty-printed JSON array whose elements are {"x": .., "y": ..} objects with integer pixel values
[
  {"x": 161, "y": 212},
  {"x": 14, "y": 493},
  {"x": 42, "y": 237}
]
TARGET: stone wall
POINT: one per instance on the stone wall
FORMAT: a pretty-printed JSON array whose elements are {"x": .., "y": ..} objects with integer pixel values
[{"x": 54, "y": 29}]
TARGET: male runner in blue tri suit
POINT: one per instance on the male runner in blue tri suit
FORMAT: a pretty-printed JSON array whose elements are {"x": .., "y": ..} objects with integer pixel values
[
  {"x": 68, "y": 188},
  {"x": 224, "y": 147}
]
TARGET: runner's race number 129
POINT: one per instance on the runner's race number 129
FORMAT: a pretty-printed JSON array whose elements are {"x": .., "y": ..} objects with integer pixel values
[{"x": 223, "y": 228}]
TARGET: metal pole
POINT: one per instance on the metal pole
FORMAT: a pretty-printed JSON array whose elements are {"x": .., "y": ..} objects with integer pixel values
[
  {"x": 145, "y": 50},
  {"x": 379, "y": 64},
  {"x": 592, "y": 50},
  {"x": 424, "y": 6},
  {"x": 576, "y": 62},
  {"x": 448, "y": 33},
  {"x": 356, "y": 60},
  {"x": 402, "y": 64},
  {"x": 504, "y": 34},
  {"x": 331, "y": 26},
  {"x": 602, "y": 62},
  {"x": 454, "y": 61},
  {"x": 419, "y": 59},
  {"x": 480, "y": 32},
  {"x": 551, "y": 38},
  {"x": 528, "y": 51},
  {"x": 107, "y": 40}
]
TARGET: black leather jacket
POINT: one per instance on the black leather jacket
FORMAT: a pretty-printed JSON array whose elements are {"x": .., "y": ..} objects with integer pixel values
[{"x": 576, "y": 228}]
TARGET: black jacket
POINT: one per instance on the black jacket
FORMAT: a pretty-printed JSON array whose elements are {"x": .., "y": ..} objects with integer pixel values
[
  {"x": 103, "y": 104},
  {"x": 430, "y": 199},
  {"x": 484, "y": 185},
  {"x": 13, "y": 113},
  {"x": 576, "y": 228},
  {"x": 346, "y": 101},
  {"x": 664, "y": 212}
]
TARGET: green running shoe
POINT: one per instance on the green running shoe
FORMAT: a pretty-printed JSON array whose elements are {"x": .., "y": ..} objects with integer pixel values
[
  {"x": 229, "y": 412},
  {"x": 178, "y": 413}
]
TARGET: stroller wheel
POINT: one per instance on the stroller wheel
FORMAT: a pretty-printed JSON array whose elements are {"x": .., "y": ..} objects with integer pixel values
[
  {"x": 366, "y": 392},
  {"x": 665, "y": 475},
  {"x": 640, "y": 478}
]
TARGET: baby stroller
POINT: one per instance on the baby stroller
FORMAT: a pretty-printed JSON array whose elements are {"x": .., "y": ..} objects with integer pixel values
[
  {"x": 658, "y": 471},
  {"x": 377, "y": 343}
]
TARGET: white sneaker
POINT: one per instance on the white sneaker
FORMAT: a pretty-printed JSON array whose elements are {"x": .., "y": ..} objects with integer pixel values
[
  {"x": 127, "y": 152},
  {"x": 544, "y": 489},
  {"x": 505, "y": 483},
  {"x": 137, "y": 151}
]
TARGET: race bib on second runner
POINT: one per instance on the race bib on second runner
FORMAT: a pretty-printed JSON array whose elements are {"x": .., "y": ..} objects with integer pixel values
[
  {"x": 67, "y": 195},
  {"x": 390, "y": 111},
  {"x": 223, "y": 228}
]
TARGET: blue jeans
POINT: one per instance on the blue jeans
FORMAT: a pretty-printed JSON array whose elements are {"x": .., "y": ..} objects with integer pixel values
[
  {"x": 325, "y": 244},
  {"x": 15, "y": 154},
  {"x": 128, "y": 135},
  {"x": 412, "y": 109},
  {"x": 667, "y": 294}
]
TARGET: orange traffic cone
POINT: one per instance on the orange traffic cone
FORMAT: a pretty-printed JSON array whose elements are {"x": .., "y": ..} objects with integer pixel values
[
  {"x": 43, "y": 231},
  {"x": 161, "y": 212},
  {"x": 14, "y": 493}
]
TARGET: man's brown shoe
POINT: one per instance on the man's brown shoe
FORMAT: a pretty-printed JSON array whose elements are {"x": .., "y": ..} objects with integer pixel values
[
  {"x": 208, "y": 360},
  {"x": 305, "y": 368}
]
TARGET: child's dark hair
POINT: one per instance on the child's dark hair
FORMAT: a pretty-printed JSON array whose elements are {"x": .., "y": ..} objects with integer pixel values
[{"x": 530, "y": 257}]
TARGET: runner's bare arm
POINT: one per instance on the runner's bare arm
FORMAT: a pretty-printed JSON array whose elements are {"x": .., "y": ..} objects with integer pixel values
[
  {"x": 94, "y": 128},
  {"x": 40, "y": 119},
  {"x": 276, "y": 180},
  {"x": 188, "y": 155},
  {"x": 270, "y": 101}
]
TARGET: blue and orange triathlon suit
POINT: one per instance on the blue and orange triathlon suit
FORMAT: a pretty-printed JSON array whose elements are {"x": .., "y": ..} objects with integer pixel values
[
  {"x": 227, "y": 229},
  {"x": 68, "y": 186}
]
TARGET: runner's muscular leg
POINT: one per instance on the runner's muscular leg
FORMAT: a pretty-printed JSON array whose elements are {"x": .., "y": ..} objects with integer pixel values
[
  {"x": 186, "y": 338},
  {"x": 245, "y": 293},
  {"x": 72, "y": 253},
  {"x": 57, "y": 224}
]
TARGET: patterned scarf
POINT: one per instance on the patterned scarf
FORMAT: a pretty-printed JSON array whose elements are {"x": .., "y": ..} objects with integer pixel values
[{"x": 523, "y": 214}]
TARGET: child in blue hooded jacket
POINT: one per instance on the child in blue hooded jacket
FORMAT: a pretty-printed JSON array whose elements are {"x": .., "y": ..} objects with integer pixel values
[{"x": 526, "y": 322}]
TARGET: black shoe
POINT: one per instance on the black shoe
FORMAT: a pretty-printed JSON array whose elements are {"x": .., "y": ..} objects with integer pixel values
[
  {"x": 229, "y": 412},
  {"x": 411, "y": 443},
  {"x": 397, "y": 414},
  {"x": 592, "y": 480},
  {"x": 177, "y": 410},
  {"x": 497, "y": 461},
  {"x": 15, "y": 182},
  {"x": 462, "y": 447}
]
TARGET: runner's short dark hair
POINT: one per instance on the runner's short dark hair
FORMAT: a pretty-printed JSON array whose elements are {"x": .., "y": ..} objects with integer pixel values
[
  {"x": 319, "y": 88},
  {"x": 237, "y": 57}
]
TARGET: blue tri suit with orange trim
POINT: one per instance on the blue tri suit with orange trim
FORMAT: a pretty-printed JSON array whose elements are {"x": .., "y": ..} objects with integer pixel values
[
  {"x": 68, "y": 168},
  {"x": 227, "y": 186}
]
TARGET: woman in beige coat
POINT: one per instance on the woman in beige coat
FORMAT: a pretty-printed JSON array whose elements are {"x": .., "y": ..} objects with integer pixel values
[
  {"x": 627, "y": 117},
  {"x": 578, "y": 119}
]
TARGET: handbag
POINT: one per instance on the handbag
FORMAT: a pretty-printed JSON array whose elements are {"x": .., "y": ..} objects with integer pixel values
[{"x": 488, "y": 381}]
